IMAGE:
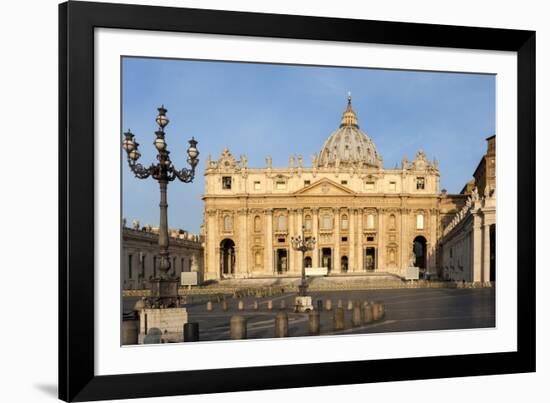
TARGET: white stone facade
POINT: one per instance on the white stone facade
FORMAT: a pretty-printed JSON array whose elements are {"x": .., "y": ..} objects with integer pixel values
[{"x": 364, "y": 217}]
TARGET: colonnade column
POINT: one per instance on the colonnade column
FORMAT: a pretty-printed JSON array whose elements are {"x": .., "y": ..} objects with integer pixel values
[
  {"x": 477, "y": 248},
  {"x": 486, "y": 251},
  {"x": 352, "y": 215},
  {"x": 269, "y": 267},
  {"x": 360, "y": 252},
  {"x": 315, "y": 229},
  {"x": 336, "y": 258}
]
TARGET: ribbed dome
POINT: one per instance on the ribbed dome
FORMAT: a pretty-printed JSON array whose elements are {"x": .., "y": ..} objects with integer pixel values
[{"x": 349, "y": 145}]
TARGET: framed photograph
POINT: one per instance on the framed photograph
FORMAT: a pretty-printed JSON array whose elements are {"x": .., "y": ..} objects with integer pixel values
[{"x": 258, "y": 201}]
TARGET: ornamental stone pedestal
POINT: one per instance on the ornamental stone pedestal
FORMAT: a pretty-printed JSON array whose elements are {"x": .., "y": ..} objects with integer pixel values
[{"x": 303, "y": 304}]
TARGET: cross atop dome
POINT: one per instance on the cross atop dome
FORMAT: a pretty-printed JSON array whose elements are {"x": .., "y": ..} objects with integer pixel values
[{"x": 349, "y": 118}]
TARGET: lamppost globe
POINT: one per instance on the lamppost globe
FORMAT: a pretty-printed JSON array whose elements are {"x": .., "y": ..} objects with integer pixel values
[{"x": 161, "y": 119}]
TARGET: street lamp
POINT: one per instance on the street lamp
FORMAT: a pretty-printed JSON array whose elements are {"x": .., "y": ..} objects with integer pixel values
[
  {"x": 163, "y": 171},
  {"x": 303, "y": 244}
]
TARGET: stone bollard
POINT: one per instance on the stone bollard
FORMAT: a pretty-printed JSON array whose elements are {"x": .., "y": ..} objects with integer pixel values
[
  {"x": 130, "y": 331},
  {"x": 281, "y": 324},
  {"x": 356, "y": 319},
  {"x": 339, "y": 319},
  {"x": 270, "y": 305},
  {"x": 224, "y": 305},
  {"x": 314, "y": 324},
  {"x": 350, "y": 304},
  {"x": 340, "y": 304},
  {"x": 237, "y": 327},
  {"x": 209, "y": 306},
  {"x": 368, "y": 313},
  {"x": 153, "y": 336},
  {"x": 376, "y": 311},
  {"x": 191, "y": 332},
  {"x": 240, "y": 305},
  {"x": 320, "y": 305},
  {"x": 283, "y": 304}
]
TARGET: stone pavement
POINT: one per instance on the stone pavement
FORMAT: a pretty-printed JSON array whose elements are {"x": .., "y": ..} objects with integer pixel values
[{"x": 406, "y": 310}]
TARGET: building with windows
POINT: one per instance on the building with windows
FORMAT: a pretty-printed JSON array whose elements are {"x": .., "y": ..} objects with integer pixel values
[
  {"x": 140, "y": 254},
  {"x": 468, "y": 243},
  {"x": 365, "y": 218}
]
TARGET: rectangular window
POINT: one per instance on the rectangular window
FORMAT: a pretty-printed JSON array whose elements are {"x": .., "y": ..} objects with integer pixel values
[
  {"x": 393, "y": 186},
  {"x": 420, "y": 183},
  {"x": 257, "y": 185},
  {"x": 307, "y": 183},
  {"x": 370, "y": 239},
  {"x": 226, "y": 182},
  {"x": 344, "y": 239},
  {"x": 280, "y": 185},
  {"x": 130, "y": 266},
  {"x": 369, "y": 185},
  {"x": 344, "y": 182},
  {"x": 281, "y": 240}
]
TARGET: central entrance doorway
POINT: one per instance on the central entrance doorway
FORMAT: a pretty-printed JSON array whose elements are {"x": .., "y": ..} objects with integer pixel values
[
  {"x": 419, "y": 249},
  {"x": 370, "y": 259},
  {"x": 281, "y": 261},
  {"x": 344, "y": 264},
  {"x": 227, "y": 258},
  {"x": 326, "y": 258}
]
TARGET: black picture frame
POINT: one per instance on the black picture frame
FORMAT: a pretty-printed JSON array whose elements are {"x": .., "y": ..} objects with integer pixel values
[{"x": 77, "y": 21}]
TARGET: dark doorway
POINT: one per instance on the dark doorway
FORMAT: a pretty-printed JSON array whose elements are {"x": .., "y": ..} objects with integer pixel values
[
  {"x": 282, "y": 261},
  {"x": 308, "y": 261},
  {"x": 370, "y": 259},
  {"x": 344, "y": 264},
  {"x": 227, "y": 258},
  {"x": 326, "y": 258},
  {"x": 492, "y": 250},
  {"x": 419, "y": 249}
]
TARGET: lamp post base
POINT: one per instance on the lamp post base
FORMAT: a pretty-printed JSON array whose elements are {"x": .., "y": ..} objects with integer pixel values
[{"x": 303, "y": 304}]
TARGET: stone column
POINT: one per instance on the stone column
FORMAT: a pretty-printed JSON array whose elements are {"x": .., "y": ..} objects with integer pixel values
[
  {"x": 269, "y": 266},
  {"x": 242, "y": 264},
  {"x": 291, "y": 232},
  {"x": 211, "y": 260},
  {"x": 352, "y": 215},
  {"x": 315, "y": 230},
  {"x": 477, "y": 248},
  {"x": 298, "y": 255},
  {"x": 381, "y": 263},
  {"x": 486, "y": 251},
  {"x": 404, "y": 244},
  {"x": 336, "y": 257},
  {"x": 360, "y": 252}
]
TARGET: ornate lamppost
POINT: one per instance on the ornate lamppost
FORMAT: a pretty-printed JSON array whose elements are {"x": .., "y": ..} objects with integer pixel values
[
  {"x": 163, "y": 288},
  {"x": 303, "y": 244}
]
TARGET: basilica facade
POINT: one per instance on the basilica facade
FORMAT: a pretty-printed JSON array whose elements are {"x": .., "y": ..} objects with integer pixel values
[{"x": 365, "y": 218}]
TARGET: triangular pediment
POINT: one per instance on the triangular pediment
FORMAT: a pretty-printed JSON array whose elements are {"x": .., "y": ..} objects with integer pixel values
[{"x": 324, "y": 187}]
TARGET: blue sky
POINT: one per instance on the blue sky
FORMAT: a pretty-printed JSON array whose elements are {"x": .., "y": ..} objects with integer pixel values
[{"x": 266, "y": 109}]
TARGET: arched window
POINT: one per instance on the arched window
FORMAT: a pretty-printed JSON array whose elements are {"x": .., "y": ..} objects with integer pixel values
[
  {"x": 227, "y": 223},
  {"x": 281, "y": 223},
  {"x": 392, "y": 221},
  {"x": 326, "y": 221},
  {"x": 308, "y": 223},
  {"x": 420, "y": 221},
  {"x": 370, "y": 221},
  {"x": 345, "y": 222},
  {"x": 257, "y": 224}
]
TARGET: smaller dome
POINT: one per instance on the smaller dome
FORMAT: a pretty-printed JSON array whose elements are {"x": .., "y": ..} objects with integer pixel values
[{"x": 349, "y": 145}]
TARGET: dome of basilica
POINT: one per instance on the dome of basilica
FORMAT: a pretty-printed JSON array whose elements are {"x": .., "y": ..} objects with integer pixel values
[{"x": 348, "y": 145}]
